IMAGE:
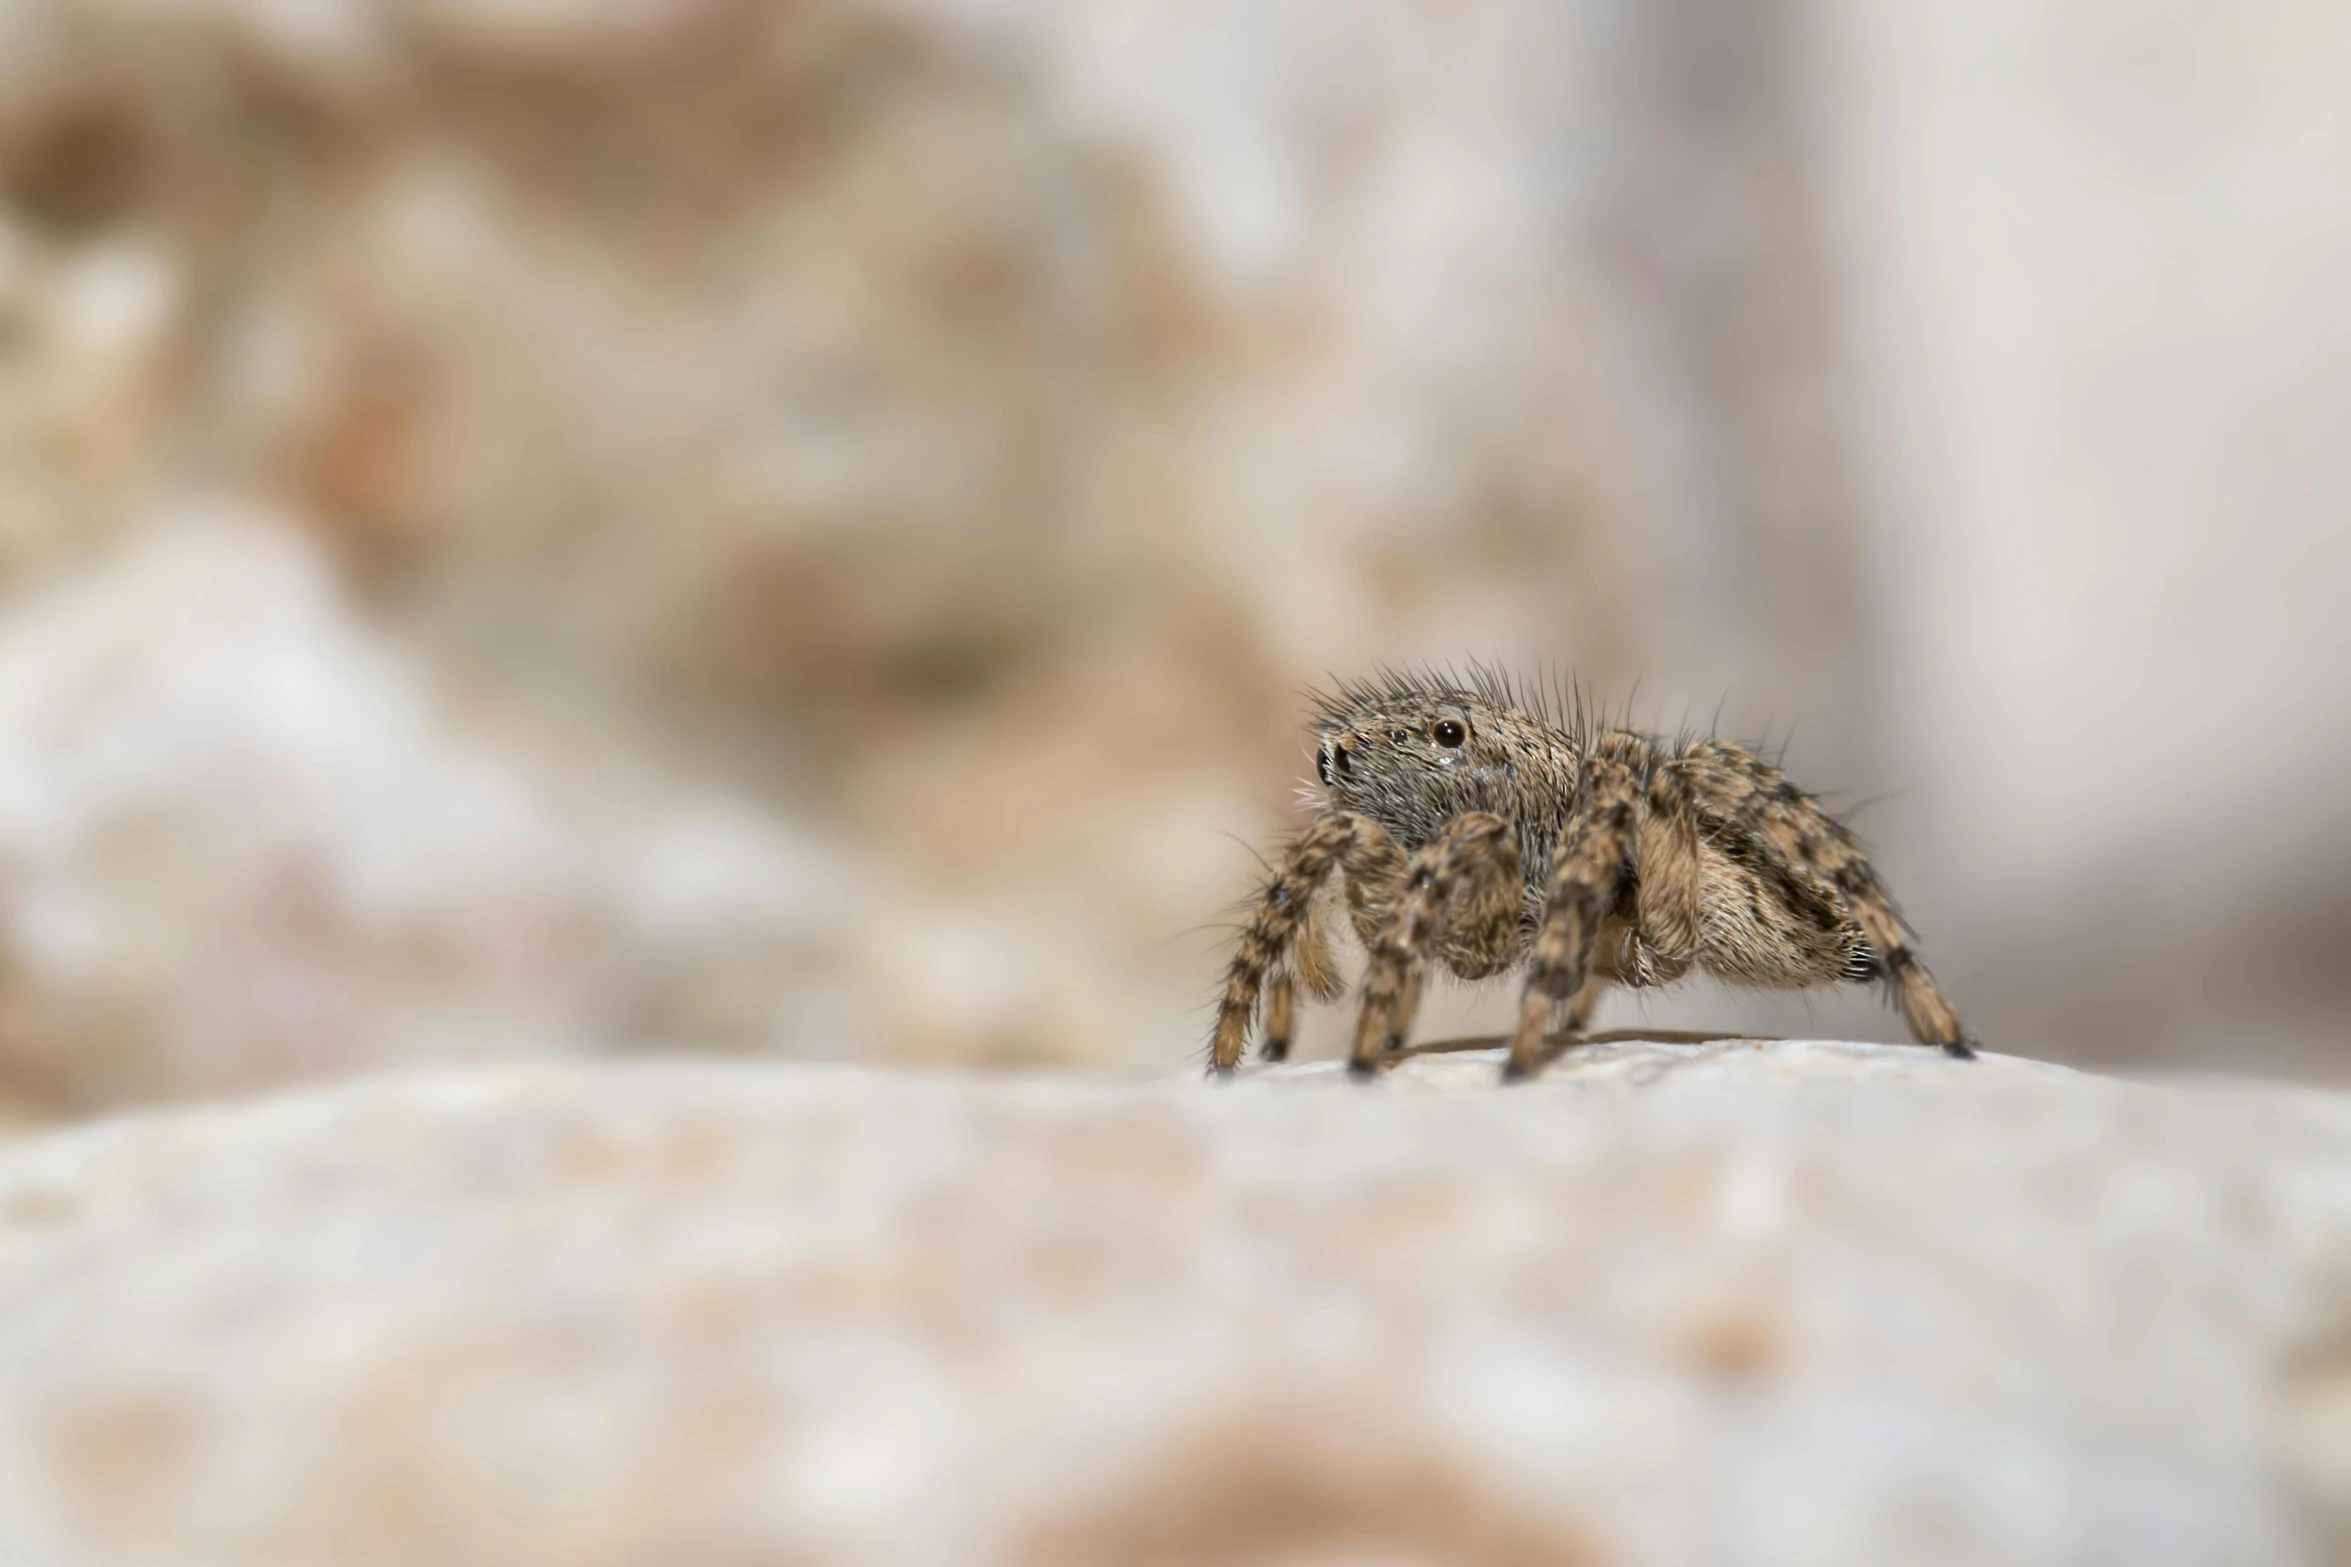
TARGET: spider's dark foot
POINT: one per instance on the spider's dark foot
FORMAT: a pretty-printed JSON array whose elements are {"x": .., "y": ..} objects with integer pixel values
[
  {"x": 1274, "y": 1051},
  {"x": 1218, "y": 1074},
  {"x": 1394, "y": 1046},
  {"x": 1960, "y": 1050},
  {"x": 1362, "y": 1071},
  {"x": 1512, "y": 1072}
]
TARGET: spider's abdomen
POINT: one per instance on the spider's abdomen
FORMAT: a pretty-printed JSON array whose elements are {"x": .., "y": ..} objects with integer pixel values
[{"x": 1763, "y": 929}]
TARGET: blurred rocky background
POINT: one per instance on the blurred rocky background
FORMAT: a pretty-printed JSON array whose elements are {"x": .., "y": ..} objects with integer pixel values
[{"x": 530, "y": 526}]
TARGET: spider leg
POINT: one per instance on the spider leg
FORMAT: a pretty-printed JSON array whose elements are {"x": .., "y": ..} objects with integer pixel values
[
  {"x": 1475, "y": 860},
  {"x": 1754, "y": 796},
  {"x": 1587, "y": 873},
  {"x": 1282, "y": 911}
]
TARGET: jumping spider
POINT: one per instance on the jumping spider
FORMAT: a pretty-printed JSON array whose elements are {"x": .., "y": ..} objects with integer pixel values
[{"x": 1484, "y": 831}]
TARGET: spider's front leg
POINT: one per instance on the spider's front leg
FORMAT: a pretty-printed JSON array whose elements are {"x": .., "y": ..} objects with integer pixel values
[
  {"x": 1461, "y": 895},
  {"x": 1587, "y": 872},
  {"x": 1270, "y": 939}
]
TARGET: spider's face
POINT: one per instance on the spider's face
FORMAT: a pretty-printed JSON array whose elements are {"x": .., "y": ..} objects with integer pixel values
[{"x": 1409, "y": 763}]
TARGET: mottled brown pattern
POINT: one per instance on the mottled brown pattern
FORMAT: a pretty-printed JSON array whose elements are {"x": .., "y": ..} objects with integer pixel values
[
  {"x": 1249, "y": 1496},
  {"x": 1490, "y": 828}
]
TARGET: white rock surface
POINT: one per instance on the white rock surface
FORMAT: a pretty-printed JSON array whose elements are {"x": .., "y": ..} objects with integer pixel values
[{"x": 1801, "y": 1303}]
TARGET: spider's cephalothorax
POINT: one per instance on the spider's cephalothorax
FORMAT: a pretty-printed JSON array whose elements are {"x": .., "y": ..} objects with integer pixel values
[{"x": 1485, "y": 832}]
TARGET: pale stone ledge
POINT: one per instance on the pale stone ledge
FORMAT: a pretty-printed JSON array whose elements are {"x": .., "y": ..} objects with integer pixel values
[{"x": 1791, "y": 1302}]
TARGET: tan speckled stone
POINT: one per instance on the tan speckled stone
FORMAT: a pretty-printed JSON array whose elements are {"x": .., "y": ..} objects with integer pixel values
[{"x": 1740, "y": 1302}]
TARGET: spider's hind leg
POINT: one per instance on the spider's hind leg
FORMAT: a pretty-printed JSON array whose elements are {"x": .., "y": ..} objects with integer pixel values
[{"x": 1750, "y": 793}]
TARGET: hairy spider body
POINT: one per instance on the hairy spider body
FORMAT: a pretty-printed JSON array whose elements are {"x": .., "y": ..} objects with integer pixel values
[{"x": 1486, "y": 832}]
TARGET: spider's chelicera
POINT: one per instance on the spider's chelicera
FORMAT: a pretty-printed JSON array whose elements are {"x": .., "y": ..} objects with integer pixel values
[{"x": 1487, "y": 830}]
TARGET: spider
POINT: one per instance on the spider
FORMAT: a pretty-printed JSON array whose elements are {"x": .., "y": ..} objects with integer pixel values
[{"x": 1485, "y": 832}]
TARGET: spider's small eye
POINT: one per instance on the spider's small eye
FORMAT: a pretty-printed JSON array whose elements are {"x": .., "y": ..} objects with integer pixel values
[{"x": 1450, "y": 733}]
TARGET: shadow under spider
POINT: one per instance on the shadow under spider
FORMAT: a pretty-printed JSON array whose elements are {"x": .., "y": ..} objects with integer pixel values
[{"x": 1558, "y": 1045}]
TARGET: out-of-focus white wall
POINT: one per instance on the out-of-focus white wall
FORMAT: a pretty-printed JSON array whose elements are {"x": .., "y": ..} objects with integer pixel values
[{"x": 2095, "y": 267}]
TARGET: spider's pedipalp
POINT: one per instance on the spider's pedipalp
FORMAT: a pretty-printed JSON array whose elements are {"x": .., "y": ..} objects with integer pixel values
[
  {"x": 1281, "y": 1015},
  {"x": 1461, "y": 895},
  {"x": 1310, "y": 952}
]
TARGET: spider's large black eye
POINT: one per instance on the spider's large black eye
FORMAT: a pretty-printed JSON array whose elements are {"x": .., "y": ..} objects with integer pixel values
[{"x": 1450, "y": 733}]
